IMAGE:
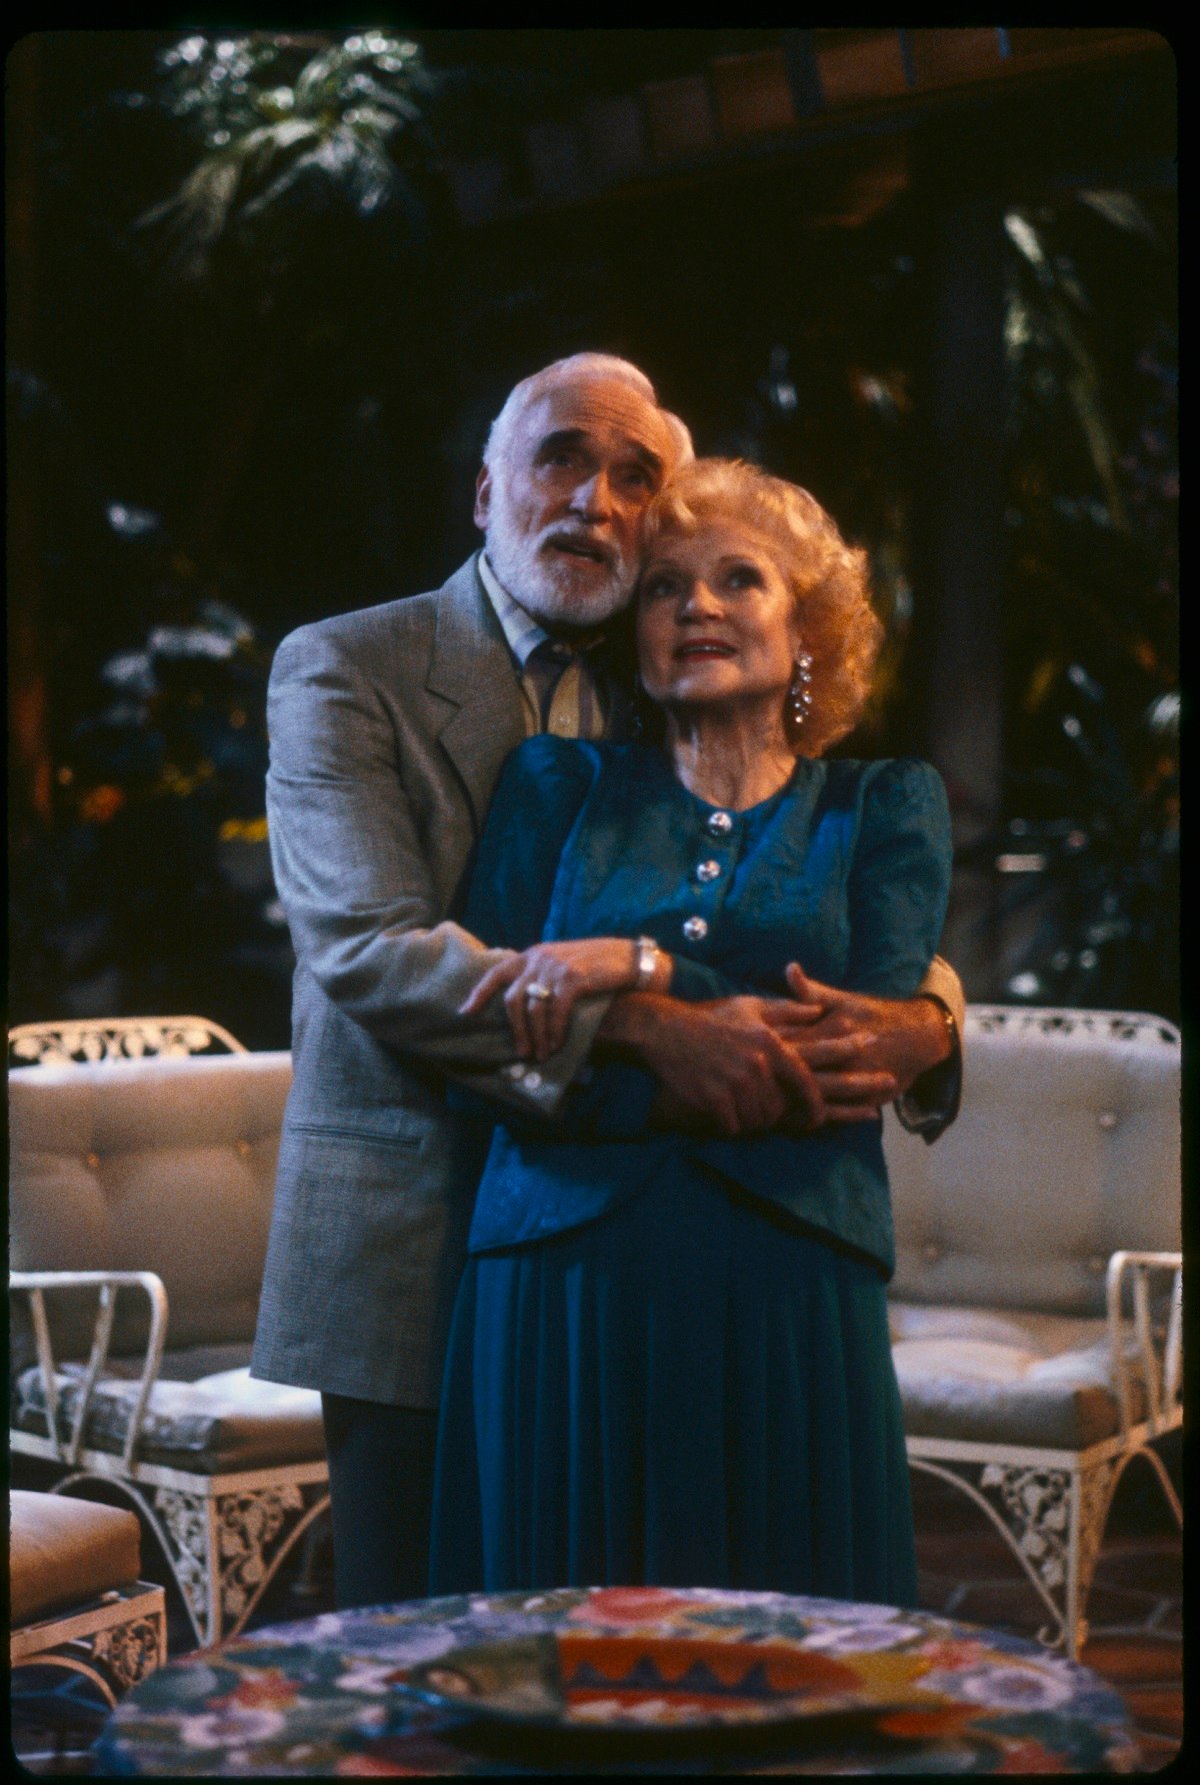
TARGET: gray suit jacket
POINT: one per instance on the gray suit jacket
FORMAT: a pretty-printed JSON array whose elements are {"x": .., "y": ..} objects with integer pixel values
[{"x": 388, "y": 729}]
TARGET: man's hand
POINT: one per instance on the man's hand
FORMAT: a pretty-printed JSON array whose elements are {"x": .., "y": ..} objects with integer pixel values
[
  {"x": 731, "y": 1064},
  {"x": 903, "y": 1037}
]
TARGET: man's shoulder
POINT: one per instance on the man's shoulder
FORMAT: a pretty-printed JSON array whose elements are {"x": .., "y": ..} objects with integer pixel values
[{"x": 404, "y": 624}]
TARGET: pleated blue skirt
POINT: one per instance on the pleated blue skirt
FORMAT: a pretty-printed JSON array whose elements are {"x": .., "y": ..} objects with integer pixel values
[{"x": 689, "y": 1391}]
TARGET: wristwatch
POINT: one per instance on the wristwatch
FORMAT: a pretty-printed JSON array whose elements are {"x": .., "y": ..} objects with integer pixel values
[
  {"x": 947, "y": 1016},
  {"x": 646, "y": 950}
]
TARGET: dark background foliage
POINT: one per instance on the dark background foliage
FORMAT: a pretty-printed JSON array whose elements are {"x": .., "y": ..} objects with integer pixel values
[{"x": 256, "y": 344}]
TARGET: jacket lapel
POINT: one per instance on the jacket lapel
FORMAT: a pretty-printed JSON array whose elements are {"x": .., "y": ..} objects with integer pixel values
[{"x": 471, "y": 667}]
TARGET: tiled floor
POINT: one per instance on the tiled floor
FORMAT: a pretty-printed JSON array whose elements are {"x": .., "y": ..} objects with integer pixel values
[
  {"x": 1135, "y": 1617},
  {"x": 1135, "y": 1610}
]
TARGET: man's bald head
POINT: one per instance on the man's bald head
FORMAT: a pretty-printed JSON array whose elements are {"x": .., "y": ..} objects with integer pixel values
[{"x": 580, "y": 368}]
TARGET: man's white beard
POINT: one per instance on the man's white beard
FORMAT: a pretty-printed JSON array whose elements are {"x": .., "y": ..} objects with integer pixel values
[{"x": 549, "y": 584}]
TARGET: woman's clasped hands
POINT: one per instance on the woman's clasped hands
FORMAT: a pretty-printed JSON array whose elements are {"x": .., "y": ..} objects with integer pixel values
[{"x": 543, "y": 984}]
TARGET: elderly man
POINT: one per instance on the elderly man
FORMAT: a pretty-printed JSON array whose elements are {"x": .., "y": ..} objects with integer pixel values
[{"x": 388, "y": 730}]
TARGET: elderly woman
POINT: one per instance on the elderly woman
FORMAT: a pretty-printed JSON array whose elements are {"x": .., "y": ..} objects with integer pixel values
[{"x": 669, "y": 1361}]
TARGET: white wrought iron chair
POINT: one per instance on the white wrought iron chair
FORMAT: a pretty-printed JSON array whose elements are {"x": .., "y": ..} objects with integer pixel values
[
  {"x": 141, "y": 1187},
  {"x": 1037, "y": 1306}
]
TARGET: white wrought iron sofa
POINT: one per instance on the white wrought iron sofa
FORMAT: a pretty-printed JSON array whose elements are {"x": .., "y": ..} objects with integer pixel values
[
  {"x": 1036, "y": 1308},
  {"x": 141, "y": 1179}
]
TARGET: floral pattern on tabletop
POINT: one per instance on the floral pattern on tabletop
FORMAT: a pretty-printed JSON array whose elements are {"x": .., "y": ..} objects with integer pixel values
[{"x": 337, "y": 1695}]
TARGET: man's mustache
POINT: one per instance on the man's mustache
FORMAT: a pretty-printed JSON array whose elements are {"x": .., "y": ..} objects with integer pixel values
[{"x": 582, "y": 544}]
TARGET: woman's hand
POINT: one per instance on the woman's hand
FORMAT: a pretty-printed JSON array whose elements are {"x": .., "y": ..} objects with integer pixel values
[
  {"x": 722, "y": 1064},
  {"x": 543, "y": 984}
]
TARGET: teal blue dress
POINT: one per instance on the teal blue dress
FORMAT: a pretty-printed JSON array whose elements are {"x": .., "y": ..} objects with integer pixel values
[{"x": 669, "y": 1360}]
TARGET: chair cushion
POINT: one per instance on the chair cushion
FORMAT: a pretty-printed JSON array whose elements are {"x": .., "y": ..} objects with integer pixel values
[
  {"x": 186, "y": 1363},
  {"x": 1001, "y": 1377},
  {"x": 161, "y": 1164},
  {"x": 1065, "y": 1151},
  {"x": 224, "y": 1422},
  {"x": 63, "y": 1552}
]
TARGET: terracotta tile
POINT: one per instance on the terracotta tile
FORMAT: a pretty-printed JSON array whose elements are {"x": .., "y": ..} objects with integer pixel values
[
  {"x": 1157, "y": 1703},
  {"x": 1134, "y": 1609},
  {"x": 1132, "y": 1665},
  {"x": 1149, "y": 1567},
  {"x": 1166, "y": 1725},
  {"x": 1011, "y": 1603},
  {"x": 1157, "y": 1750},
  {"x": 1171, "y": 1738},
  {"x": 950, "y": 1503},
  {"x": 963, "y": 1554},
  {"x": 1117, "y": 1539},
  {"x": 1109, "y": 1604},
  {"x": 1005, "y": 1584},
  {"x": 940, "y": 1595}
]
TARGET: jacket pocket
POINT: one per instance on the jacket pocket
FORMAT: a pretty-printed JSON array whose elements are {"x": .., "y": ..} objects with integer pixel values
[{"x": 408, "y": 1140}]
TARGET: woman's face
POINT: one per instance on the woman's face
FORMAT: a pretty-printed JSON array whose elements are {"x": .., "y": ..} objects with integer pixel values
[{"x": 716, "y": 619}]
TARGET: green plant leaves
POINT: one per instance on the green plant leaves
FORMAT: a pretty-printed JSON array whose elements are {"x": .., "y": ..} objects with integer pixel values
[{"x": 327, "y": 135}]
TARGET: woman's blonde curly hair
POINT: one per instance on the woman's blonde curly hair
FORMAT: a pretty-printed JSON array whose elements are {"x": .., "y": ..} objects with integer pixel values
[{"x": 828, "y": 578}]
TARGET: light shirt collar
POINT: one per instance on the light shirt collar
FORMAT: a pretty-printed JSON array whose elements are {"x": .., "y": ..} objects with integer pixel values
[{"x": 522, "y": 631}]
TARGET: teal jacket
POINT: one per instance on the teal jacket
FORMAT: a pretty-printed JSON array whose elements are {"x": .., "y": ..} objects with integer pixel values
[{"x": 846, "y": 869}]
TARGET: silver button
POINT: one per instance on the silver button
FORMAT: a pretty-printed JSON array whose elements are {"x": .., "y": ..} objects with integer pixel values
[
  {"x": 515, "y": 1070},
  {"x": 708, "y": 870},
  {"x": 695, "y": 929},
  {"x": 532, "y": 1080},
  {"x": 1107, "y": 1118},
  {"x": 931, "y": 1253},
  {"x": 720, "y": 823}
]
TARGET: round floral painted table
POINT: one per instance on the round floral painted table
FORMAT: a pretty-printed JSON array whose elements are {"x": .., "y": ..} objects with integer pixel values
[{"x": 620, "y": 1680}]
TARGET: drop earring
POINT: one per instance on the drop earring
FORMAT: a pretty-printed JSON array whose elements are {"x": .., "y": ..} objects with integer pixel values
[{"x": 799, "y": 694}]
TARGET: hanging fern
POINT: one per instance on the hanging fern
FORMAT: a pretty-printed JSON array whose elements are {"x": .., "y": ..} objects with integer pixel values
[{"x": 337, "y": 130}]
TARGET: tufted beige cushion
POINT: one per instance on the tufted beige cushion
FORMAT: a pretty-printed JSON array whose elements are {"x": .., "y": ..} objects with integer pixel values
[
  {"x": 1066, "y": 1150},
  {"x": 1003, "y": 1377},
  {"x": 63, "y": 1552},
  {"x": 222, "y": 1422},
  {"x": 165, "y": 1165}
]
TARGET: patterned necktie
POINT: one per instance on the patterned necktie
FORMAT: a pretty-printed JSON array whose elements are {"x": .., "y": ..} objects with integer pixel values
[{"x": 561, "y": 694}]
